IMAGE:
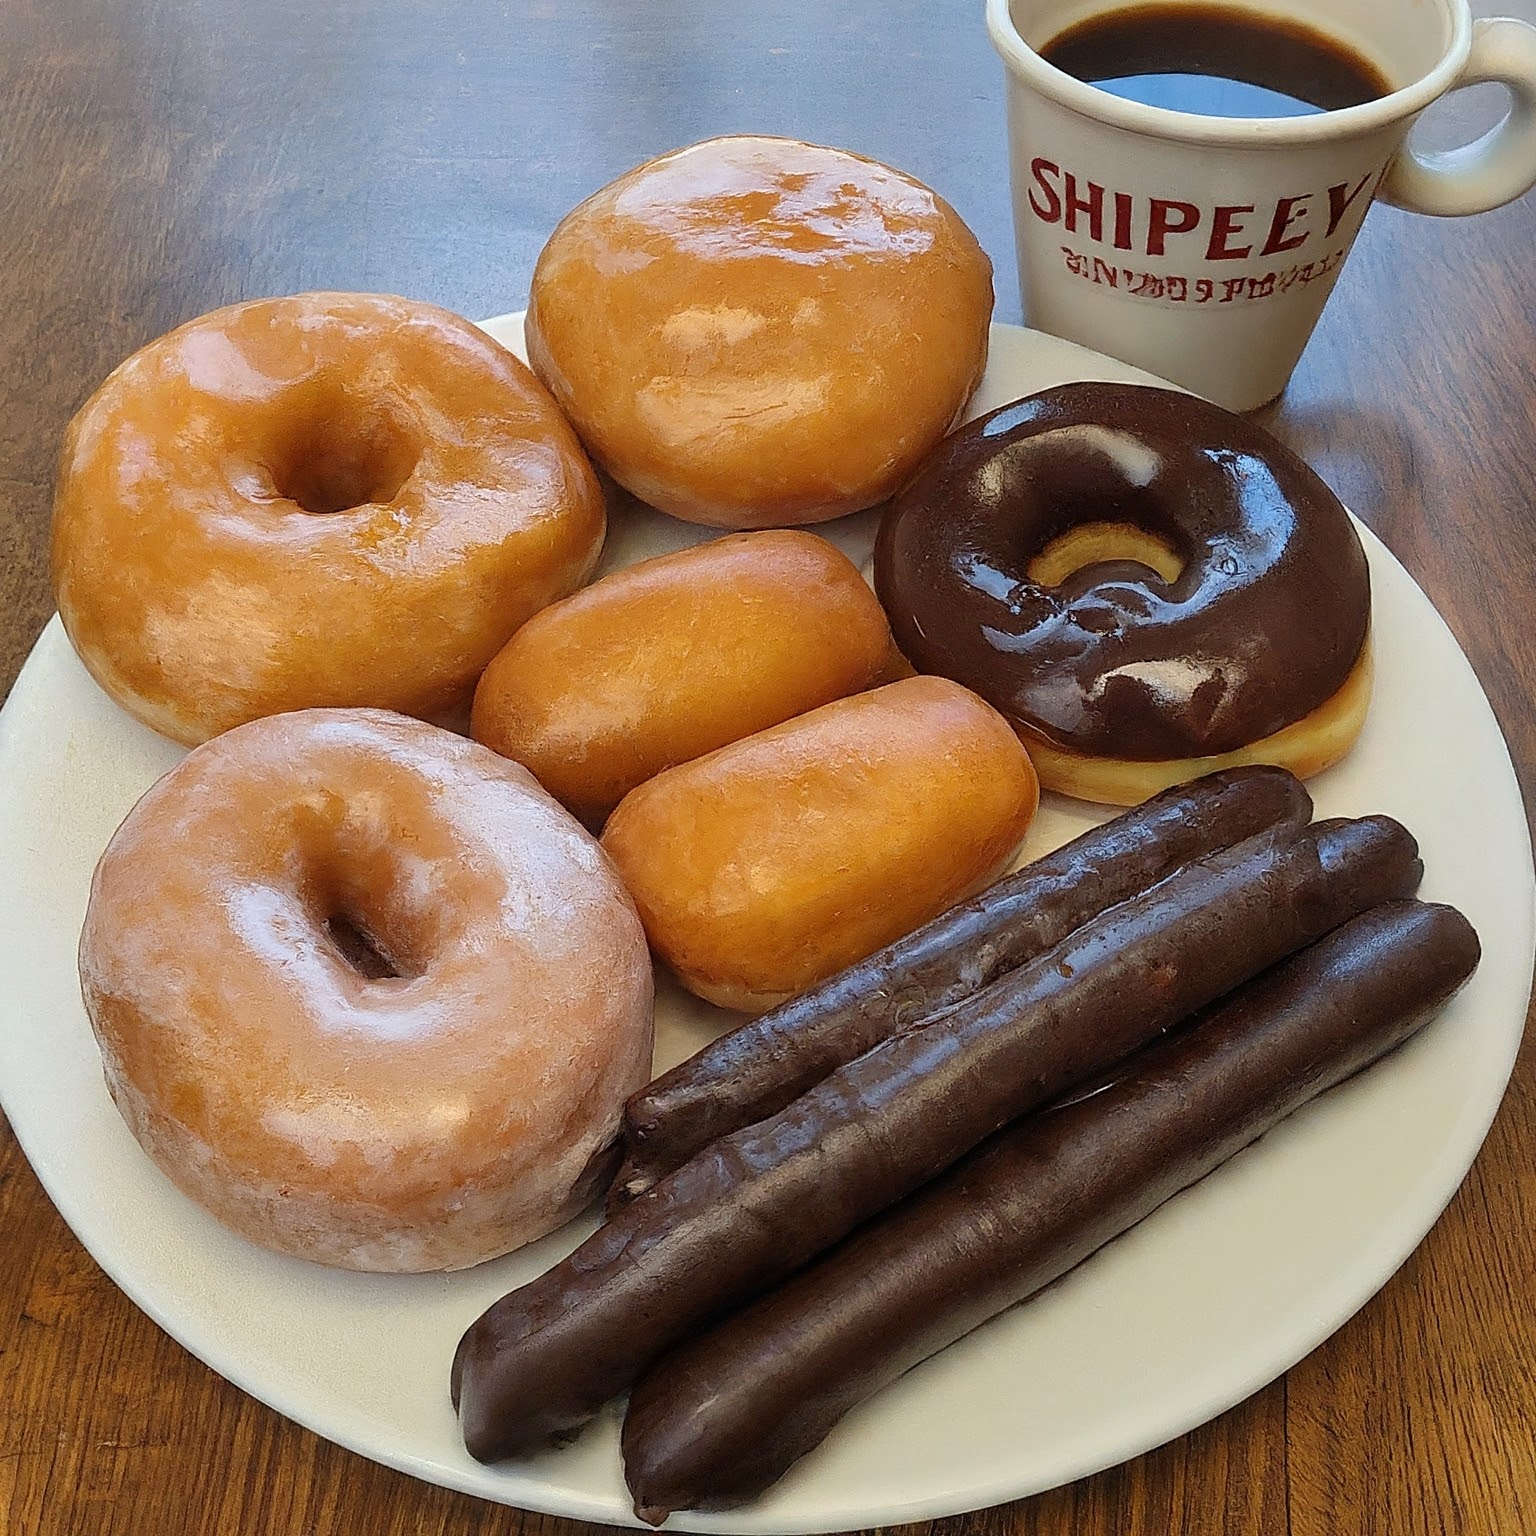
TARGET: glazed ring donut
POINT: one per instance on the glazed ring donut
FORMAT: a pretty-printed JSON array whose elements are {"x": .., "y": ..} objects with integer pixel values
[
  {"x": 757, "y": 332},
  {"x": 334, "y": 499},
  {"x": 1147, "y": 586},
  {"x": 365, "y": 992}
]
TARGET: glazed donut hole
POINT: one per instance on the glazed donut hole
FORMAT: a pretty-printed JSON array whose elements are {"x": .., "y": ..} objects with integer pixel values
[
  {"x": 360, "y": 870},
  {"x": 364, "y": 951},
  {"x": 360, "y": 897},
  {"x": 325, "y": 445},
  {"x": 345, "y": 456}
]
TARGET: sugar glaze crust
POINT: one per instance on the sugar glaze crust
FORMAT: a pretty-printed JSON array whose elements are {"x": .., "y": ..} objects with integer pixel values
[
  {"x": 426, "y": 1120},
  {"x": 768, "y": 865},
  {"x": 754, "y": 332},
  {"x": 331, "y": 499},
  {"x": 1264, "y": 621},
  {"x": 675, "y": 656}
]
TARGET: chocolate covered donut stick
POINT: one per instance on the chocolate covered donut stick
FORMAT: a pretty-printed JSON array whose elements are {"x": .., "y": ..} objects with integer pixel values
[
  {"x": 756, "y": 1205},
  {"x": 726, "y": 1414}
]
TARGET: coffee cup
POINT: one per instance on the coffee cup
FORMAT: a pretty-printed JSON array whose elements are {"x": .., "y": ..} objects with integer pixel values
[{"x": 1203, "y": 247}]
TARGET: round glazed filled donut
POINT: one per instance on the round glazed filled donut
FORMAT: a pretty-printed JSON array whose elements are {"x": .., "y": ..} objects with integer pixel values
[
  {"x": 1147, "y": 586},
  {"x": 757, "y": 332},
  {"x": 365, "y": 992},
  {"x": 334, "y": 499}
]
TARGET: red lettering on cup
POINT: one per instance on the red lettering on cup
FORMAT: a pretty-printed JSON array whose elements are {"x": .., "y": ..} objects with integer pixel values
[
  {"x": 1092, "y": 205},
  {"x": 1161, "y": 222},
  {"x": 1049, "y": 209},
  {"x": 1224, "y": 224},
  {"x": 1122, "y": 221},
  {"x": 1287, "y": 211},
  {"x": 1057, "y": 196},
  {"x": 1338, "y": 202}
]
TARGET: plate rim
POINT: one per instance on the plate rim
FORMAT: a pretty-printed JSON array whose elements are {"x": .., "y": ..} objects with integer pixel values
[{"x": 1364, "y": 1278}]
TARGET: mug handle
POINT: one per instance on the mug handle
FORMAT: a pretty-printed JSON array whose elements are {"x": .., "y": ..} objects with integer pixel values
[{"x": 1496, "y": 168}]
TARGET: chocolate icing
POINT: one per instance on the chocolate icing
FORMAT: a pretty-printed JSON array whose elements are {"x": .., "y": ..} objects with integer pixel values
[
  {"x": 726, "y": 1414},
  {"x": 1263, "y": 623},
  {"x": 755, "y": 1070},
  {"x": 753, "y": 1206}
]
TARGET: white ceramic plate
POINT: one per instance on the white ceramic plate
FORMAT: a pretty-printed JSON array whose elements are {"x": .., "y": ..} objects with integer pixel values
[{"x": 1205, "y": 1302}]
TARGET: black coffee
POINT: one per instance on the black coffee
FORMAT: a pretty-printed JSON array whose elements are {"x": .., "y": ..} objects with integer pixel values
[{"x": 1215, "y": 60}]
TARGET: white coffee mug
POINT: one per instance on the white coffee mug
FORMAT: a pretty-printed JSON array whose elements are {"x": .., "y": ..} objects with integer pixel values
[{"x": 1203, "y": 248}]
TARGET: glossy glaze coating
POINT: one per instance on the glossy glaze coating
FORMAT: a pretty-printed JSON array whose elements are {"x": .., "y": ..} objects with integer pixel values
[
  {"x": 437, "y": 1106},
  {"x": 333, "y": 499},
  {"x": 768, "y": 865},
  {"x": 757, "y": 331},
  {"x": 724, "y": 1416},
  {"x": 668, "y": 659},
  {"x": 1263, "y": 623}
]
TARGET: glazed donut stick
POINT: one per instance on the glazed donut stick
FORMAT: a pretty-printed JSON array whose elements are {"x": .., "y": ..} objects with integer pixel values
[
  {"x": 755, "y": 1070},
  {"x": 725, "y": 1415},
  {"x": 755, "y": 1205}
]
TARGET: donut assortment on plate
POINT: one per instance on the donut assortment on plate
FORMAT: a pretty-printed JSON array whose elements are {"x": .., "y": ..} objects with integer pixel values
[{"x": 379, "y": 995}]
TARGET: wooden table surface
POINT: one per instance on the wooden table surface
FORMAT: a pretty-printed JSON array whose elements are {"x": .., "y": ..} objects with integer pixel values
[{"x": 161, "y": 158}]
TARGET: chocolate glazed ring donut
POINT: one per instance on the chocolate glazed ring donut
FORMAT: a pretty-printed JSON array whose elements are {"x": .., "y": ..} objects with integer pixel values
[{"x": 1146, "y": 585}]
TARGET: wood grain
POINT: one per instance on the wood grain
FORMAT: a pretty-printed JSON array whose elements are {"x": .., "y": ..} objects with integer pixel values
[{"x": 168, "y": 156}]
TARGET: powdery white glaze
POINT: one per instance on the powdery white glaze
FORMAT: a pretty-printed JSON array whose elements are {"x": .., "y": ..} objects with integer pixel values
[{"x": 427, "y": 1120}]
